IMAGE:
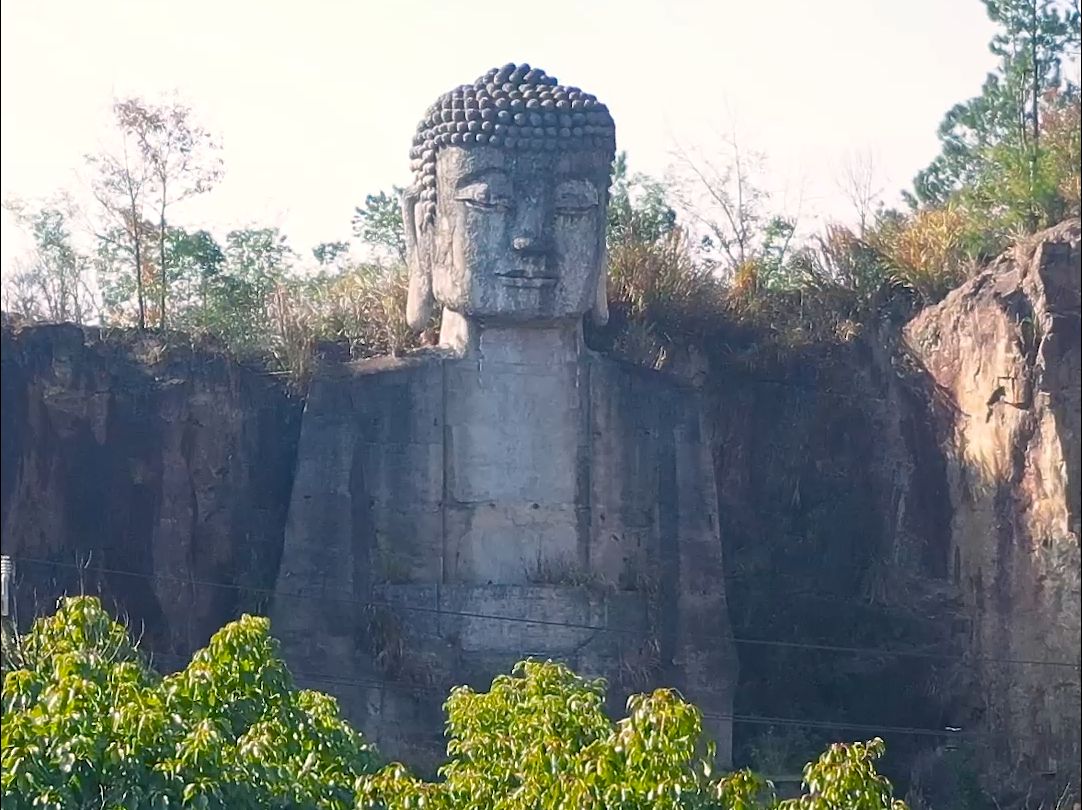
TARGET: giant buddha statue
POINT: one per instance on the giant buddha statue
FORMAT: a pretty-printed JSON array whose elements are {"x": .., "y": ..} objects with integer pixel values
[{"x": 508, "y": 493}]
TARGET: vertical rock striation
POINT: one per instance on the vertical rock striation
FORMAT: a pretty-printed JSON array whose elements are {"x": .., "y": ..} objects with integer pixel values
[{"x": 138, "y": 466}]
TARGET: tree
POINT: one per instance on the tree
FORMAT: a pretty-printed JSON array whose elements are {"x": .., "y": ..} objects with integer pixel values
[
  {"x": 260, "y": 256},
  {"x": 20, "y": 295},
  {"x": 53, "y": 283},
  {"x": 723, "y": 198},
  {"x": 181, "y": 159},
  {"x": 197, "y": 262},
  {"x": 161, "y": 158},
  {"x": 639, "y": 210},
  {"x": 994, "y": 139},
  {"x": 539, "y": 738},
  {"x": 860, "y": 185},
  {"x": 378, "y": 224},
  {"x": 120, "y": 249},
  {"x": 87, "y": 723},
  {"x": 257, "y": 261},
  {"x": 331, "y": 254},
  {"x": 121, "y": 186}
]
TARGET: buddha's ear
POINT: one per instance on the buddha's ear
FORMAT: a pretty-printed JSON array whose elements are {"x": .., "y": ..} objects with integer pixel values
[
  {"x": 419, "y": 299},
  {"x": 599, "y": 310}
]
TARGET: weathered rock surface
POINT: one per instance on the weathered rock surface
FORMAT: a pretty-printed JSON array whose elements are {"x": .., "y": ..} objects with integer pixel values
[
  {"x": 139, "y": 453},
  {"x": 531, "y": 481},
  {"x": 1004, "y": 352},
  {"x": 921, "y": 497}
]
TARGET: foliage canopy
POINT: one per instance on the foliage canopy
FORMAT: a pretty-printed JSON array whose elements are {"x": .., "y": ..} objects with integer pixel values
[{"x": 88, "y": 723}]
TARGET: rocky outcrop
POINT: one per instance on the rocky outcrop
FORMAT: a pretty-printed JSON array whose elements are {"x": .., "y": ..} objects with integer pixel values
[
  {"x": 915, "y": 501},
  {"x": 141, "y": 467},
  {"x": 1004, "y": 352}
]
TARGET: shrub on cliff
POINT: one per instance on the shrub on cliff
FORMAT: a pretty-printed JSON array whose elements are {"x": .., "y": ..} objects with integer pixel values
[{"x": 363, "y": 307}]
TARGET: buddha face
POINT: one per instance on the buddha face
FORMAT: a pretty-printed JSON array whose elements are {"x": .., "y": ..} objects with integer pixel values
[{"x": 518, "y": 236}]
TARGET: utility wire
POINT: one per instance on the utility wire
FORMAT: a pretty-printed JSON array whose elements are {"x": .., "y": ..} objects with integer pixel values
[
  {"x": 757, "y": 642},
  {"x": 750, "y": 719}
]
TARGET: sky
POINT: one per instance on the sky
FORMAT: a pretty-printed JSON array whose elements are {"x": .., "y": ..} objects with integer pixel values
[{"x": 315, "y": 101}]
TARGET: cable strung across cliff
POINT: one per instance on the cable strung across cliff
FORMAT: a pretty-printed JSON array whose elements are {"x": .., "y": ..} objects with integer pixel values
[
  {"x": 800, "y": 645},
  {"x": 751, "y": 719}
]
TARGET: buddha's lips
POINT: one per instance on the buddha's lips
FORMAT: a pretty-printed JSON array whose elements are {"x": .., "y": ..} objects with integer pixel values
[
  {"x": 526, "y": 279},
  {"x": 527, "y": 269}
]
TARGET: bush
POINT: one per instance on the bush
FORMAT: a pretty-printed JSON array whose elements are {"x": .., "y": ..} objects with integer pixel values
[
  {"x": 363, "y": 308},
  {"x": 929, "y": 251},
  {"x": 539, "y": 738},
  {"x": 659, "y": 282},
  {"x": 87, "y": 723}
]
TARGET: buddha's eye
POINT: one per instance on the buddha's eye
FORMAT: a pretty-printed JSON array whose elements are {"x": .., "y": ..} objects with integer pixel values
[
  {"x": 484, "y": 196},
  {"x": 574, "y": 197}
]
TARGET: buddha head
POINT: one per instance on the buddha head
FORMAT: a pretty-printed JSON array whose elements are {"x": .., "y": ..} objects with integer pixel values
[{"x": 505, "y": 218}]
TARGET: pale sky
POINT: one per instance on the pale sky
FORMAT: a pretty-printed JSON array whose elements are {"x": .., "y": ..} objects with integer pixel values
[{"x": 315, "y": 101}]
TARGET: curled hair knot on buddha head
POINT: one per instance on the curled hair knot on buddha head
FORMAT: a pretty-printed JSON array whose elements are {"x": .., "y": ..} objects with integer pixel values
[{"x": 514, "y": 107}]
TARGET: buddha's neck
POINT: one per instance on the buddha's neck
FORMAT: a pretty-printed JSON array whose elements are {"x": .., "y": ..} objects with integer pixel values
[{"x": 555, "y": 342}]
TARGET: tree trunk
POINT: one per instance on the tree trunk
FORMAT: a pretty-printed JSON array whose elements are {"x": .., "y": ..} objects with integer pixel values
[
  {"x": 1035, "y": 133},
  {"x": 162, "y": 270},
  {"x": 138, "y": 267}
]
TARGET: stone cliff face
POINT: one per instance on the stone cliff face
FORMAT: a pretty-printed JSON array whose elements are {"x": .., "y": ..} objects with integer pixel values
[
  {"x": 916, "y": 494},
  {"x": 1004, "y": 352},
  {"x": 834, "y": 516},
  {"x": 141, "y": 454}
]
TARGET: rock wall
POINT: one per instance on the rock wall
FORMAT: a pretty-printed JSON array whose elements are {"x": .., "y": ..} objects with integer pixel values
[
  {"x": 834, "y": 518},
  {"x": 916, "y": 492},
  {"x": 879, "y": 493},
  {"x": 1004, "y": 351},
  {"x": 130, "y": 455}
]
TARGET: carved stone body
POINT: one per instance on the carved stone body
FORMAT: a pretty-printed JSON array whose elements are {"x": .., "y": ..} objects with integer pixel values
[
  {"x": 538, "y": 482},
  {"x": 510, "y": 493}
]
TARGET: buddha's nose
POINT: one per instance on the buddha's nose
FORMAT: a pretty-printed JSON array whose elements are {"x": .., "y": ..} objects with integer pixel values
[
  {"x": 529, "y": 234},
  {"x": 527, "y": 244}
]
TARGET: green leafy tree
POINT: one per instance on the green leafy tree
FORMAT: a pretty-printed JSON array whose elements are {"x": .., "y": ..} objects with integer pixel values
[
  {"x": 378, "y": 224},
  {"x": 88, "y": 724},
  {"x": 992, "y": 144},
  {"x": 330, "y": 254},
  {"x": 54, "y": 282},
  {"x": 845, "y": 776},
  {"x": 539, "y": 738},
  {"x": 257, "y": 262},
  {"x": 639, "y": 210},
  {"x": 196, "y": 261}
]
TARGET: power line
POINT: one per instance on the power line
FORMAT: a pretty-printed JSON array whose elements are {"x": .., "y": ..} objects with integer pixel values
[
  {"x": 748, "y": 719},
  {"x": 323, "y": 597}
]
